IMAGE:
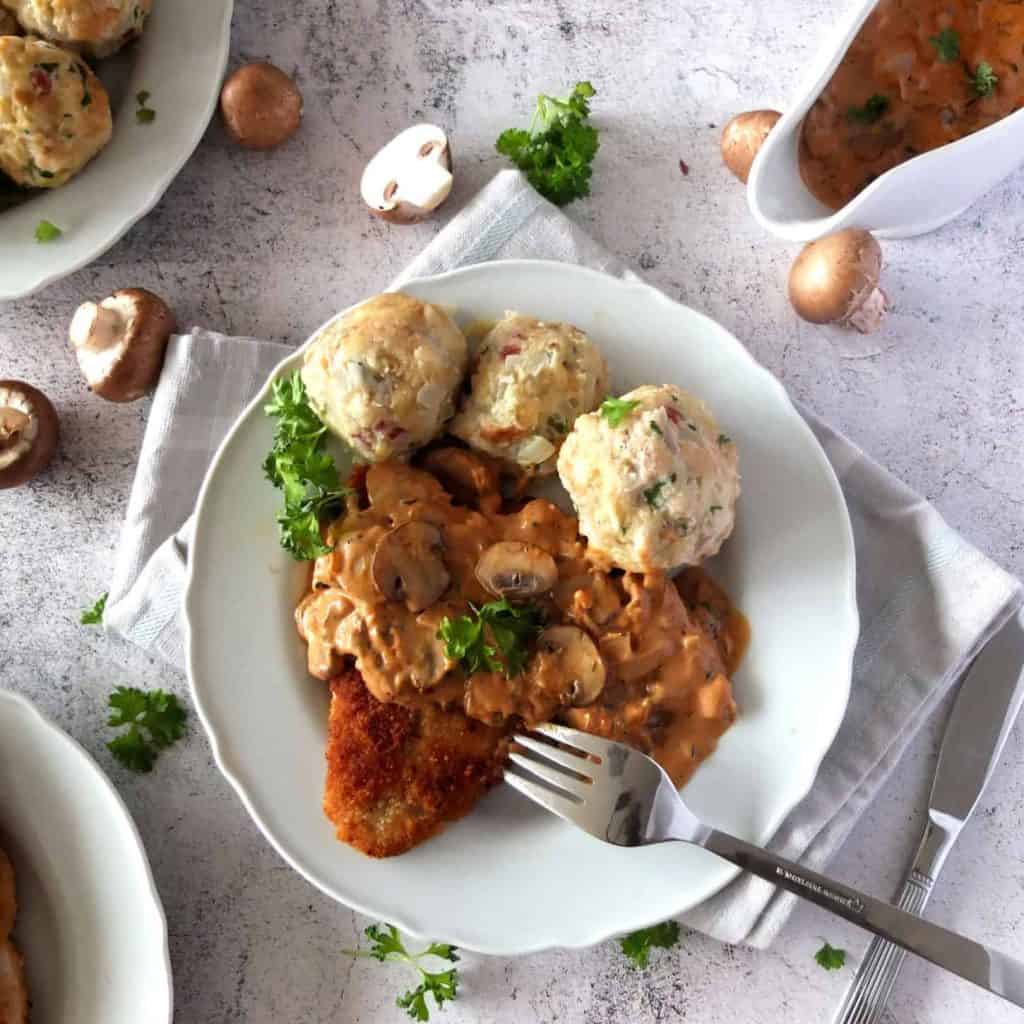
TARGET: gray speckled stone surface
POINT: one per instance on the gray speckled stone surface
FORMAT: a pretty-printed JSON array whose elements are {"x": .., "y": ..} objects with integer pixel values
[{"x": 272, "y": 244}]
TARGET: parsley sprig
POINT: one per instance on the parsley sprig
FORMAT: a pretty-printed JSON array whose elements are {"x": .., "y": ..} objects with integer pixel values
[
  {"x": 94, "y": 616},
  {"x": 300, "y": 467},
  {"x": 830, "y": 958},
  {"x": 494, "y": 638},
  {"x": 155, "y": 720},
  {"x": 984, "y": 80},
  {"x": 557, "y": 152},
  {"x": 873, "y": 110},
  {"x": 615, "y": 410},
  {"x": 947, "y": 45},
  {"x": 386, "y": 946},
  {"x": 638, "y": 945},
  {"x": 46, "y": 231}
]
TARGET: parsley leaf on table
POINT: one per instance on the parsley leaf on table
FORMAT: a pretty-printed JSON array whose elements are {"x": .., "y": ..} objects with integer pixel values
[
  {"x": 947, "y": 45},
  {"x": 301, "y": 469},
  {"x": 872, "y": 111},
  {"x": 638, "y": 945},
  {"x": 386, "y": 945},
  {"x": 154, "y": 719},
  {"x": 615, "y": 410},
  {"x": 984, "y": 80},
  {"x": 496, "y": 628},
  {"x": 94, "y": 616},
  {"x": 556, "y": 153},
  {"x": 830, "y": 958}
]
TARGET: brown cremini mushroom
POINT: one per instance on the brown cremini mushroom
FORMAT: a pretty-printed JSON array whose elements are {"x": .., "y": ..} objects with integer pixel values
[
  {"x": 578, "y": 660},
  {"x": 742, "y": 136},
  {"x": 28, "y": 432},
  {"x": 120, "y": 342},
  {"x": 410, "y": 177},
  {"x": 261, "y": 106},
  {"x": 468, "y": 477},
  {"x": 835, "y": 281},
  {"x": 408, "y": 565},
  {"x": 515, "y": 570}
]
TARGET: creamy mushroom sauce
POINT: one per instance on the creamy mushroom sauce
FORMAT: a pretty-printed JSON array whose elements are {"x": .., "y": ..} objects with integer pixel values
[
  {"x": 668, "y": 647},
  {"x": 904, "y": 87}
]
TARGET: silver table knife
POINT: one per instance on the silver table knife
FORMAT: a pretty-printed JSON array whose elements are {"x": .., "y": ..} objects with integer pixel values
[{"x": 983, "y": 715}]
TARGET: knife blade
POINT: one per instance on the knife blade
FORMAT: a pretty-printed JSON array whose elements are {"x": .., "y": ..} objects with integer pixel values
[{"x": 983, "y": 715}]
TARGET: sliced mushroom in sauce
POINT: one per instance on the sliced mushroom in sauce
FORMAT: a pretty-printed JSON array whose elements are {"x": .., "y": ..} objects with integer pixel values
[
  {"x": 515, "y": 570},
  {"x": 408, "y": 565},
  {"x": 578, "y": 659}
]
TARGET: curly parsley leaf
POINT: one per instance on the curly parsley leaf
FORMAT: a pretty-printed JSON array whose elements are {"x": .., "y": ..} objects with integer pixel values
[
  {"x": 46, "y": 231},
  {"x": 873, "y": 110},
  {"x": 830, "y": 958},
  {"x": 947, "y": 45},
  {"x": 94, "y": 616},
  {"x": 154, "y": 719},
  {"x": 557, "y": 152},
  {"x": 615, "y": 410},
  {"x": 299, "y": 466},
  {"x": 494, "y": 638},
  {"x": 386, "y": 945},
  {"x": 984, "y": 80},
  {"x": 638, "y": 945}
]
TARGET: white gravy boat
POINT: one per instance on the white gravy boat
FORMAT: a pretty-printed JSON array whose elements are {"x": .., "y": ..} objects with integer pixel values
[{"x": 911, "y": 199}]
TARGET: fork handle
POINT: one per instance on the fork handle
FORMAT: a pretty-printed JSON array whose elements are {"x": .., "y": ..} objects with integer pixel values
[{"x": 962, "y": 956}]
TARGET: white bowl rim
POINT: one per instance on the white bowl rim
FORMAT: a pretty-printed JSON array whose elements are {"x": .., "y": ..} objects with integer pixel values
[
  {"x": 100, "y": 776},
  {"x": 159, "y": 187},
  {"x": 409, "y": 922},
  {"x": 791, "y": 120}
]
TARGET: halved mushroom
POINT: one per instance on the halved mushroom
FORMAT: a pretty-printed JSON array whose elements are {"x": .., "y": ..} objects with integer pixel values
[
  {"x": 515, "y": 570},
  {"x": 408, "y": 565},
  {"x": 261, "y": 106},
  {"x": 28, "y": 432},
  {"x": 120, "y": 342},
  {"x": 742, "y": 137},
  {"x": 467, "y": 476},
  {"x": 578, "y": 661},
  {"x": 835, "y": 281},
  {"x": 410, "y": 177}
]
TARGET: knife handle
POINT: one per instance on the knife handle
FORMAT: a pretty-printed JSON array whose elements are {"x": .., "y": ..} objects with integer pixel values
[{"x": 871, "y": 987}]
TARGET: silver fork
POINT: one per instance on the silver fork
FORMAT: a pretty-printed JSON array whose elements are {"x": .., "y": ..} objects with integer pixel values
[{"x": 623, "y": 797}]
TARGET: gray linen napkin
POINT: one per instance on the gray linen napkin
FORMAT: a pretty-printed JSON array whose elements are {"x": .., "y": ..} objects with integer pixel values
[{"x": 928, "y": 600}]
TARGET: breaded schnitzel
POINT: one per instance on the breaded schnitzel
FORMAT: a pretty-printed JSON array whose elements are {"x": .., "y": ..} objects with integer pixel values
[
  {"x": 397, "y": 775},
  {"x": 13, "y": 994}
]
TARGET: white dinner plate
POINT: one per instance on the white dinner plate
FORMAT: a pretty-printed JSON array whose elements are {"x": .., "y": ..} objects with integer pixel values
[
  {"x": 90, "y": 924},
  {"x": 180, "y": 62},
  {"x": 510, "y": 878}
]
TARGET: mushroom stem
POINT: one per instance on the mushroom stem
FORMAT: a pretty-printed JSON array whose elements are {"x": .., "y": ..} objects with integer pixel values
[
  {"x": 14, "y": 428},
  {"x": 95, "y": 328},
  {"x": 869, "y": 314}
]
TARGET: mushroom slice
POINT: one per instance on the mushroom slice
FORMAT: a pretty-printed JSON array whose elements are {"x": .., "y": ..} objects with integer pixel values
[
  {"x": 578, "y": 659},
  {"x": 466, "y": 476},
  {"x": 120, "y": 342},
  {"x": 742, "y": 138},
  {"x": 28, "y": 432},
  {"x": 516, "y": 570},
  {"x": 835, "y": 281},
  {"x": 408, "y": 565},
  {"x": 410, "y": 177}
]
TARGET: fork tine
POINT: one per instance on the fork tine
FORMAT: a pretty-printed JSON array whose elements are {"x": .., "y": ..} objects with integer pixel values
[
  {"x": 584, "y": 741},
  {"x": 561, "y": 806},
  {"x": 578, "y": 763},
  {"x": 554, "y": 776}
]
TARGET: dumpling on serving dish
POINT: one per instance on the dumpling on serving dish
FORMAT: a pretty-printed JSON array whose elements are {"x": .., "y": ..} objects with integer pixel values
[
  {"x": 97, "y": 28},
  {"x": 653, "y": 478},
  {"x": 54, "y": 113},
  {"x": 384, "y": 376},
  {"x": 531, "y": 380}
]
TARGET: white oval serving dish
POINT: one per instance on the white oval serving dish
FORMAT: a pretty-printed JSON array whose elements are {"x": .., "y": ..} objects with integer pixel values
[
  {"x": 911, "y": 199},
  {"x": 510, "y": 878},
  {"x": 90, "y": 924},
  {"x": 180, "y": 62}
]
